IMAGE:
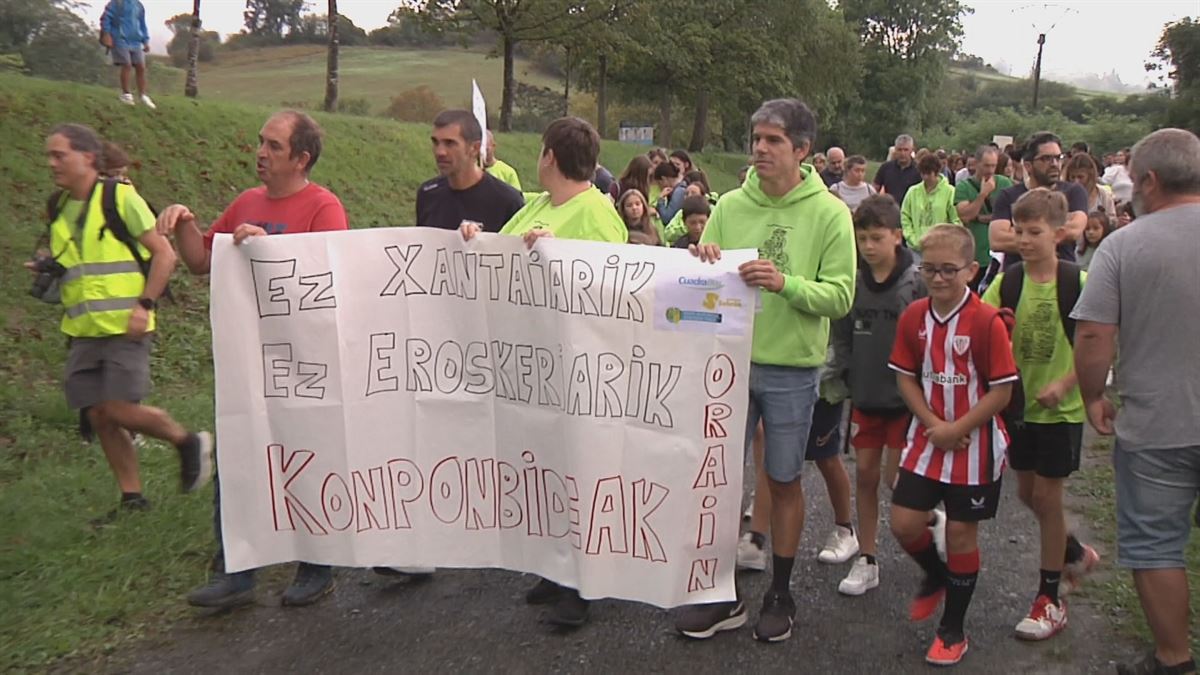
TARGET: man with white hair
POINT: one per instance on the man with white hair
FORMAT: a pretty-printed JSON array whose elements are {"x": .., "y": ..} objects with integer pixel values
[
  {"x": 898, "y": 174},
  {"x": 834, "y": 168}
]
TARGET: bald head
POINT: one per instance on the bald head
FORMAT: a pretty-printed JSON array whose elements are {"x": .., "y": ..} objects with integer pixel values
[{"x": 837, "y": 159}]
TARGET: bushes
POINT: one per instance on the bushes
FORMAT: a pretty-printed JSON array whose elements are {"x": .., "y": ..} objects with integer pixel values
[{"x": 419, "y": 104}]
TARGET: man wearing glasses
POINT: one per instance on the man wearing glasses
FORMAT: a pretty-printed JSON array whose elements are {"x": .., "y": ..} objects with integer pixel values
[{"x": 1042, "y": 159}]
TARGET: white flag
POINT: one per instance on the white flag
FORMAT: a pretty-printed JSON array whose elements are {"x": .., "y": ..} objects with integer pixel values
[{"x": 480, "y": 110}]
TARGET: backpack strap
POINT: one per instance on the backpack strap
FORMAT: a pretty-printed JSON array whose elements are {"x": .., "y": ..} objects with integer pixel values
[
  {"x": 981, "y": 340},
  {"x": 54, "y": 204},
  {"x": 114, "y": 223},
  {"x": 1010, "y": 286},
  {"x": 1070, "y": 286}
]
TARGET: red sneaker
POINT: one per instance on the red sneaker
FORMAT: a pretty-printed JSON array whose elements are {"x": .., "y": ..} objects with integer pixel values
[
  {"x": 1073, "y": 573},
  {"x": 941, "y": 654},
  {"x": 923, "y": 606},
  {"x": 1045, "y": 620}
]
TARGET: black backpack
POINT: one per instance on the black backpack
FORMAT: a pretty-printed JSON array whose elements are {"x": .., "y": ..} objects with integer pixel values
[
  {"x": 1068, "y": 291},
  {"x": 113, "y": 222}
]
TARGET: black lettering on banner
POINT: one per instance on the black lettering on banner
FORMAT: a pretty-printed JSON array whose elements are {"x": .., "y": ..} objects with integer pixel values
[
  {"x": 501, "y": 356},
  {"x": 558, "y": 288},
  {"x": 448, "y": 367},
  {"x": 314, "y": 374},
  {"x": 493, "y": 263},
  {"x": 608, "y": 370},
  {"x": 478, "y": 369},
  {"x": 659, "y": 390},
  {"x": 537, "y": 279},
  {"x": 277, "y": 369},
  {"x": 320, "y": 292},
  {"x": 582, "y": 301},
  {"x": 637, "y": 275},
  {"x": 524, "y": 368},
  {"x": 579, "y": 389},
  {"x": 466, "y": 273},
  {"x": 547, "y": 392},
  {"x": 633, "y": 395},
  {"x": 418, "y": 353},
  {"x": 443, "y": 276},
  {"x": 269, "y": 293},
  {"x": 402, "y": 279},
  {"x": 519, "y": 292},
  {"x": 379, "y": 367}
]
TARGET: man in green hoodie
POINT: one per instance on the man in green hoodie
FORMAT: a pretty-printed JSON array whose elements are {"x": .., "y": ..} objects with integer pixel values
[
  {"x": 806, "y": 270},
  {"x": 928, "y": 203}
]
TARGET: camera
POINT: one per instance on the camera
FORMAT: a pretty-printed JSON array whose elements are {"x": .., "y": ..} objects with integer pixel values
[{"x": 47, "y": 272}]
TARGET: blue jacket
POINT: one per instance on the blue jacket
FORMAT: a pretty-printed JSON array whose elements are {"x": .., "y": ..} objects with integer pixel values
[{"x": 125, "y": 20}]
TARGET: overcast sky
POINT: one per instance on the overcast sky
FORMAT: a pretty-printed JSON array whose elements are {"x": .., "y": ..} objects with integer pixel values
[{"x": 1091, "y": 36}]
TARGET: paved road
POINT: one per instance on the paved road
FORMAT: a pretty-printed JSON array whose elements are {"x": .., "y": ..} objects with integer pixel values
[{"x": 475, "y": 621}]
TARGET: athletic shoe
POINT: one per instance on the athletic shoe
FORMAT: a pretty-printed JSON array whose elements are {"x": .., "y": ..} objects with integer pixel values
[
  {"x": 147, "y": 102},
  {"x": 941, "y": 654},
  {"x": 569, "y": 610},
  {"x": 414, "y": 572},
  {"x": 863, "y": 577},
  {"x": 544, "y": 593},
  {"x": 841, "y": 546},
  {"x": 701, "y": 622},
  {"x": 138, "y": 440},
  {"x": 938, "y": 528},
  {"x": 749, "y": 555},
  {"x": 312, "y": 583},
  {"x": 923, "y": 606},
  {"x": 1073, "y": 573},
  {"x": 195, "y": 461},
  {"x": 1045, "y": 620},
  {"x": 749, "y": 512},
  {"x": 127, "y": 99},
  {"x": 1152, "y": 666},
  {"x": 776, "y": 618},
  {"x": 224, "y": 591}
]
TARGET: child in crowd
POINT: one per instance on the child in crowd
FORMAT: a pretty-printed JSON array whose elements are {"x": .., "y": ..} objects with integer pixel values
[
  {"x": 671, "y": 190},
  {"x": 1099, "y": 226},
  {"x": 636, "y": 213},
  {"x": 695, "y": 217},
  {"x": 927, "y": 203},
  {"x": 955, "y": 372}
]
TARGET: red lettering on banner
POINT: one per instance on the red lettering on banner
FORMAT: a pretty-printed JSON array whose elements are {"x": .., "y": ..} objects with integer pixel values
[
  {"x": 703, "y": 576},
  {"x": 608, "y": 517},
  {"x": 370, "y": 499},
  {"x": 714, "y": 414},
  {"x": 712, "y": 469},
  {"x": 283, "y": 469}
]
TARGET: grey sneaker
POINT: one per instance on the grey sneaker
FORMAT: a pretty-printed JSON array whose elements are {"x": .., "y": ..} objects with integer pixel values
[
  {"x": 544, "y": 593},
  {"x": 224, "y": 591},
  {"x": 312, "y": 583},
  {"x": 569, "y": 610},
  {"x": 701, "y": 622},
  {"x": 775, "y": 620}
]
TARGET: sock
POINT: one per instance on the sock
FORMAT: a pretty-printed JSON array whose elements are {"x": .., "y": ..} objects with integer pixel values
[
  {"x": 848, "y": 526},
  {"x": 781, "y": 580},
  {"x": 130, "y": 496},
  {"x": 1049, "y": 584},
  {"x": 758, "y": 539},
  {"x": 1074, "y": 550},
  {"x": 963, "y": 570},
  {"x": 925, "y": 553},
  {"x": 870, "y": 558}
]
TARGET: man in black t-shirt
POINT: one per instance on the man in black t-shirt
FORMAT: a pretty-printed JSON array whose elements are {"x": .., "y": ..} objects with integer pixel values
[
  {"x": 1042, "y": 159},
  {"x": 898, "y": 174},
  {"x": 463, "y": 191}
]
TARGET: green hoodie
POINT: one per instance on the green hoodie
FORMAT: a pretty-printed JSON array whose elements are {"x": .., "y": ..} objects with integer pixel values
[
  {"x": 808, "y": 234},
  {"x": 922, "y": 210}
]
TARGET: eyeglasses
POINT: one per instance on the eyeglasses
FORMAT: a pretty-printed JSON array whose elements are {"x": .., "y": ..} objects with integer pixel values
[
  {"x": 1047, "y": 159},
  {"x": 945, "y": 271}
]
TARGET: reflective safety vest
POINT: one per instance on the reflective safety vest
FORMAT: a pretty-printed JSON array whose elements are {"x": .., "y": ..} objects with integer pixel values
[{"x": 103, "y": 280}]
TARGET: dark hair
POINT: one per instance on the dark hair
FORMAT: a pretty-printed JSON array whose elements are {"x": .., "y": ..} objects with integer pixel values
[
  {"x": 877, "y": 211},
  {"x": 1030, "y": 150},
  {"x": 641, "y": 238},
  {"x": 697, "y": 176},
  {"x": 792, "y": 115},
  {"x": 115, "y": 158},
  {"x": 636, "y": 176},
  {"x": 1002, "y": 161},
  {"x": 660, "y": 153},
  {"x": 306, "y": 136},
  {"x": 1105, "y": 222},
  {"x": 468, "y": 125},
  {"x": 1081, "y": 146},
  {"x": 82, "y": 139},
  {"x": 855, "y": 160},
  {"x": 666, "y": 170},
  {"x": 643, "y": 225},
  {"x": 929, "y": 163},
  {"x": 695, "y": 205},
  {"x": 687, "y": 159},
  {"x": 1041, "y": 204},
  {"x": 576, "y": 147}
]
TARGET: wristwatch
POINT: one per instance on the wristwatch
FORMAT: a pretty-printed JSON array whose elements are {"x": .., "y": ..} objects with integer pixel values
[{"x": 146, "y": 304}]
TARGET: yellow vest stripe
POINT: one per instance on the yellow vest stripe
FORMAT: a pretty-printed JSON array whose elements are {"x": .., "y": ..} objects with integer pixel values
[
  {"x": 106, "y": 305},
  {"x": 99, "y": 269}
]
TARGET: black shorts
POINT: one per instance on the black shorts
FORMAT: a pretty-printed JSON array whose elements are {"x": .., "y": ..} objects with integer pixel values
[
  {"x": 825, "y": 435},
  {"x": 1048, "y": 450},
  {"x": 964, "y": 503}
]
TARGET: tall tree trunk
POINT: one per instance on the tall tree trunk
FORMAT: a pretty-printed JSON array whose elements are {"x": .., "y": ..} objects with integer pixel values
[
  {"x": 331, "y": 67},
  {"x": 700, "y": 127},
  {"x": 506, "y": 98},
  {"x": 602, "y": 96},
  {"x": 190, "y": 86},
  {"x": 567, "y": 83},
  {"x": 664, "y": 117}
]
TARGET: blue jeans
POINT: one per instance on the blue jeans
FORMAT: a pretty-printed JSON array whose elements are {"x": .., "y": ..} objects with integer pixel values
[
  {"x": 1155, "y": 493},
  {"x": 782, "y": 397}
]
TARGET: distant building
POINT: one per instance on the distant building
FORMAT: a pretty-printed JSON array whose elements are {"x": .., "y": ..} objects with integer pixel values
[{"x": 640, "y": 134}]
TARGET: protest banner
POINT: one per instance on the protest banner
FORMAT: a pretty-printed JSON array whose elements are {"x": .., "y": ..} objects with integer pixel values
[{"x": 401, "y": 397}]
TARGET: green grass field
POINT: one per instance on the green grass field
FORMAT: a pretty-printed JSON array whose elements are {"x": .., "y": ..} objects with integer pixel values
[
  {"x": 275, "y": 75},
  {"x": 71, "y": 589}
]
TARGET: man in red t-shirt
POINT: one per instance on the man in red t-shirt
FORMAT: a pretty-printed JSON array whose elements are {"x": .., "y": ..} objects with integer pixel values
[
  {"x": 286, "y": 203},
  {"x": 955, "y": 371}
]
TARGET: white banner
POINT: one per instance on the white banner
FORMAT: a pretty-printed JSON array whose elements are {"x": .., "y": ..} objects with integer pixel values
[{"x": 400, "y": 397}]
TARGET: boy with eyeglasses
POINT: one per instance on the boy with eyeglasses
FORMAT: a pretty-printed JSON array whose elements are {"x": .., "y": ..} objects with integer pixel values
[{"x": 955, "y": 372}]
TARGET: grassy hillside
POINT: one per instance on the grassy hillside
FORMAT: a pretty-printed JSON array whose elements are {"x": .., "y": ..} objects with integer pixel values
[{"x": 71, "y": 588}]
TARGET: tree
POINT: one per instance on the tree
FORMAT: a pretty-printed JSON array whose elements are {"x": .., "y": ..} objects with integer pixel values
[
  {"x": 331, "y": 67},
  {"x": 273, "y": 18},
  {"x": 514, "y": 22},
  {"x": 1179, "y": 49},
  {"x": 63, "y": 47}
]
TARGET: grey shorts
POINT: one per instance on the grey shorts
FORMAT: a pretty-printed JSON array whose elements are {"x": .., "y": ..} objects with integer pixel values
[
  {"x": 1155, "y": 493},
  {"x": 128, "y": 56},
  {"x": 783, "y": 398},
  {"x": 107, "y": 369}
]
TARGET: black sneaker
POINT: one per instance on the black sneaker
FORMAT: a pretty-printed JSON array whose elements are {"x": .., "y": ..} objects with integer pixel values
[
  {"x": 544, "y": 593},
  {"x": 1152, "y": 666},
  {"x": 127, "y": 505},
  {"x": 775, "y": 619},
  {"x": 701, "y": 622},
  {"x": 569, "y": 610},
  {"x": 312, "y": 583},
  {"x": 224, "y": 591},
  {"x": 196, "y": 461}
]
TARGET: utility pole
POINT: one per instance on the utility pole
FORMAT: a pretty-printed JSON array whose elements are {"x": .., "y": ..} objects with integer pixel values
[{"x": 1037, "y": 70}]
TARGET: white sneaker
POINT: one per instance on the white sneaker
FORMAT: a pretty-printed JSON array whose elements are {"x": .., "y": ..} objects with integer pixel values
[
  {"x": 841, "y": 546},
  {"x": 749, "y": 555},
  {"x": 863, "y": 577},
  {"x": 939, "y": 532},
  {"x": 127, "y": 99},
  {"x": 1045, "y": 620},
  {"x": 147, "y": 102},
  {"x": 749, "y": 512}
]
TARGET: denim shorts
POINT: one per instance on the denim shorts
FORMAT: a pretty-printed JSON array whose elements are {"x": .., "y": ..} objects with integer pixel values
[
  {"x": 1155, "y": 493},
  {"x": 782, "y": 397},
  {"x": 128, "y": 56}
]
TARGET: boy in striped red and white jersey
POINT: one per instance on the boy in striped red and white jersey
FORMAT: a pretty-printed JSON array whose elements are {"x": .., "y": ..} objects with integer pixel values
[{"x": 955, "y": 371}]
